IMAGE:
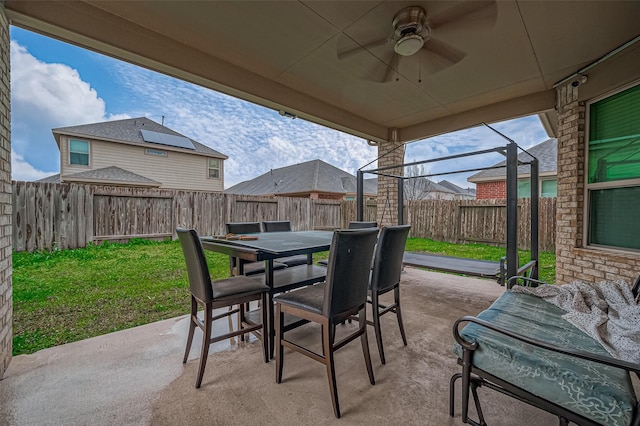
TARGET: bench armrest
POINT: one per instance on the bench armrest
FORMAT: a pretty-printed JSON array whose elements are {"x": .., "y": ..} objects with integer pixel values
[
  {"x": 607, "y": 360},
  {"x": 527, "y": 281}
]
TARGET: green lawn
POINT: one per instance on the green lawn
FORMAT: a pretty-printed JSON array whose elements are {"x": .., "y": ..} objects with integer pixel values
[{"x": 69, "y": 295}]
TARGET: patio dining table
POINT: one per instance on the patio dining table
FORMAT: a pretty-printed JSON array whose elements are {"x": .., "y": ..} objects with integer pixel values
[{"x": 269, "y": 246}]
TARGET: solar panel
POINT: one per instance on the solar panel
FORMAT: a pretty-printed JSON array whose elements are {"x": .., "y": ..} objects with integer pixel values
[{"x": 166, "y": 139}]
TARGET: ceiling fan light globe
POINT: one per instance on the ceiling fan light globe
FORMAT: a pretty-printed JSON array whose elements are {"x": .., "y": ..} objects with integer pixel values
[{"x": 409, "y": 45}]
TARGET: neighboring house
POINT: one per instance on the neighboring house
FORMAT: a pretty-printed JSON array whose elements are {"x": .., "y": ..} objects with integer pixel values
[
  {"x": 492, "y": 183},
  {"x": 313, "y": 179},
  {"x": 461, "y": 193},
  {"x": 136, "y": 152}
]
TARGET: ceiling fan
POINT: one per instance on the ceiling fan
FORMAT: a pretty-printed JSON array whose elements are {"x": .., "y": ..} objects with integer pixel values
[{"x": 415, "y": 35}]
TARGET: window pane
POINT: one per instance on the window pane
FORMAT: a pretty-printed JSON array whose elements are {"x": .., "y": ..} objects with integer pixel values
[
  {"x": 214, "y": 163},
  {"x": 214, "y": 173},
  {"x": 616, "y": 116},
  {"x": 614, "y": 137},
  {"x": 79, "y": 146},
  {"x": 79, "y": 159},
  {"x": 524, "y": 189},
  {"x": 613, "y": 217},
  {"x": 549, "y": 188}
]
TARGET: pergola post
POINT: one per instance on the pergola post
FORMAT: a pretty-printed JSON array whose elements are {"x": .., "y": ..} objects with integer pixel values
[
  {"x": 535, "y": 199},
  {"x": 360, "y": 196},
  {"x": 400, "y": 201},
  {"x": 512, "y": 210}
]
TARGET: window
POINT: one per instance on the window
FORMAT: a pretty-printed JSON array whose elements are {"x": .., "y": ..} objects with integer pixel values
[
  {"x": 524, "y": 188},
  {"x": 613, "y": 171},
  {"x": 158, "y": 152},
  {"x": 214, "y": 168},
  {"x": 548, "y": 188},
  {"x": 78, "y": 152}
]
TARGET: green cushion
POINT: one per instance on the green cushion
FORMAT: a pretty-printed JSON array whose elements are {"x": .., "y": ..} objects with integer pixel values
[{"x": 595, "y": 391}]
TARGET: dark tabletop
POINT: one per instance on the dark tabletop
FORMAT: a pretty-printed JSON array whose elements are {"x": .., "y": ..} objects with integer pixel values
[{"x": 281, "y": 242}]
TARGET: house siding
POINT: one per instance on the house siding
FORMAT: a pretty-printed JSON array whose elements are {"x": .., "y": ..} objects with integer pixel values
[
  {"x": 489, "y": 190},
  {"x": 575, "y": 261},
  {"x": 6, "y": 302},
  {"x": 177, "y": 170}
]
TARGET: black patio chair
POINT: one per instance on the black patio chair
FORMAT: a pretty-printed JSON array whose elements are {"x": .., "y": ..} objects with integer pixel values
[
  {"x": 247, "y": 267},
  {"x": 385, "y": 276},
  {"x": 285, "y": 226},
  {"x": 354, "y": 224},
  {"x": 342, "y": 295},
  {"x": 217, "y": 294}
]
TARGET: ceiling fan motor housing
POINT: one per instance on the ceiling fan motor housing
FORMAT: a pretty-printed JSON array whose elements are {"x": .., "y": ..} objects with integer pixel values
[{"x": 410, "y": 30}]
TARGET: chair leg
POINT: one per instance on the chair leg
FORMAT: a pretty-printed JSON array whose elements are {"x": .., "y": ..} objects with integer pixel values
[
  {"x": 279, "y": 348},
  {"x": 365, "y": 344},
  {"x": 192, "y": 328},
  {"x": 396, "y": 294},
  {"x": 328, "y": 333},
  {"x": 376, "y": 324},
  {"x": 265, "y": 327},
  {"x": 206, "y": 342}
]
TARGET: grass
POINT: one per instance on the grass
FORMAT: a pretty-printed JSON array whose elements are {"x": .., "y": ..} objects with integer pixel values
[{"x": 68, "y": 295}]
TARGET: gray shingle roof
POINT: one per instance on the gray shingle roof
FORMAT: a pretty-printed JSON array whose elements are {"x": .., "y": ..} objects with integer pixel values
[
  {"x": 50, "y": 179},
  {"x": 310, "y": 176},
  {"x": 111, "y": 174},
  {"x": 546, "y": 152},
  {"x": 129, "y": 131},
  {"x": 457, "y": 189}
]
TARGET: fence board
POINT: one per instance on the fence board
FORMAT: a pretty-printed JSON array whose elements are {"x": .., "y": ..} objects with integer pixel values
[{"x": 47, "y": 215}]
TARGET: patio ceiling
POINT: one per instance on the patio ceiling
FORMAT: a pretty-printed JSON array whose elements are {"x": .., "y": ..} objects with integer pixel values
[{"x": 315, "y": 59}]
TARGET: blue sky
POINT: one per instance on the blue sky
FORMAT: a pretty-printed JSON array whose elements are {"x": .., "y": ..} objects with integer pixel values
[{"x": 54, "y": 84}]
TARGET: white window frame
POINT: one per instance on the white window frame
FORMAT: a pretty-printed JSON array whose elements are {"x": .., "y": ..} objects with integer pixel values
[
  {"x": 69, "y": 152},
  {"x": 601, "y": 185},
  {"x": 219, "y": 168}
]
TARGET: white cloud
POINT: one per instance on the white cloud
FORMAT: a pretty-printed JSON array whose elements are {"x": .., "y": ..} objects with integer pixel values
[
  {"x": 21, "y": 170},
  {"x": 45, "y": 96},
  {"x": 255, "y": 138},
  {"x": 55, "y": 92}
]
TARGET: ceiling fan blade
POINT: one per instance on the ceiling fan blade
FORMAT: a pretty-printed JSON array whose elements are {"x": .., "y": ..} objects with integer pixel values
[
  {"x": 354, "y": 50},
  {"x": 488, "y": 9},
  {"x": 445, "y": 51},
  {"x": 388, "y": 73}
]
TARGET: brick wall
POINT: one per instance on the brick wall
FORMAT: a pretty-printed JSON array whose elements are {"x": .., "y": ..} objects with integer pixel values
[
  {"x": 6, "y": 305},
  {"x": 573, "y": 261},
  {"x": 387, "y": 201},
  {"x": 489, "y": 190}
]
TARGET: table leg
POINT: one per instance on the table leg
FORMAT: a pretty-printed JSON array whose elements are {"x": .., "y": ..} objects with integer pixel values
[{"x": 270, "y": 312}]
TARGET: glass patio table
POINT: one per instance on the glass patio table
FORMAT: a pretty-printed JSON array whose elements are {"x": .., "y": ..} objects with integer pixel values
[{"x": 267, "y": 247}]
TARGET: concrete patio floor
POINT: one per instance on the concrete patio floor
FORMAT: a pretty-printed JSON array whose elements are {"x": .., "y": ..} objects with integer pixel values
[{"x": 136, "y": 376}]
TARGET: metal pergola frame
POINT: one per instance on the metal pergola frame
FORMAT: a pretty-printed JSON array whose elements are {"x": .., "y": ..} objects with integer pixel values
[{"x": 511, "y": 153}]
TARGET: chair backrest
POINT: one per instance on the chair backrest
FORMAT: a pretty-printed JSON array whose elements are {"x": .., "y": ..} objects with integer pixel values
[
  {"x": 359, "y": 225},
  {"x": 243, "y": 227},
  {"x": 348, "y": 270},
  {"x": 197, "y": 270},
  {"x": 387, "y": 262},
  {"x": 276, "y": 226}
]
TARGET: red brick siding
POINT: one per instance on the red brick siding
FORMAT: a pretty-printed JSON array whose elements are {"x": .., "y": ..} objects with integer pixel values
[{"x": 487, "y": 190}]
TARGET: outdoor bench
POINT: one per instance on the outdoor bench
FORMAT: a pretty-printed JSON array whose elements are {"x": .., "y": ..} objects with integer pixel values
[
  {"x": 460, "y": 265},
  {"x": 522, "y": 347}
]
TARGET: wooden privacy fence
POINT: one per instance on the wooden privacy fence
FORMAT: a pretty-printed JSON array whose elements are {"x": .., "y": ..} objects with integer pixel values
[
  {"x": 480, "y": 221},
  {"x": 48, "y": 215}
]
